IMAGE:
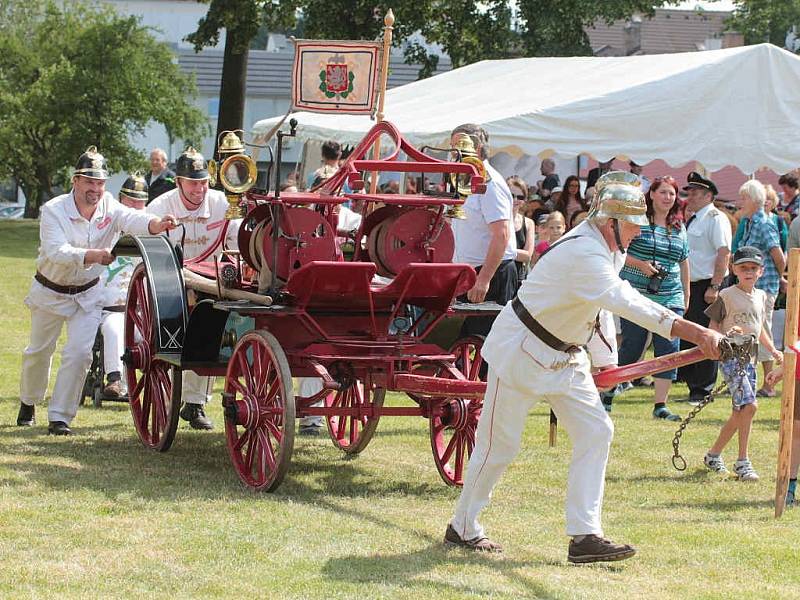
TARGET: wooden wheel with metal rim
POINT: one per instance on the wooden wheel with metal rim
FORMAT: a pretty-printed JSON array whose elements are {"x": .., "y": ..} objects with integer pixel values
[
  {"x": 360, "y": 404},
  {"x": 259, "y": 411},
  {"x": 154, "y": 385},
  {"x": 453, "y": 421}
]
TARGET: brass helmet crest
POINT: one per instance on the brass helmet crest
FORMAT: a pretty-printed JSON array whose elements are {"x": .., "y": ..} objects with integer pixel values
[{"x": 618, "y": 195}]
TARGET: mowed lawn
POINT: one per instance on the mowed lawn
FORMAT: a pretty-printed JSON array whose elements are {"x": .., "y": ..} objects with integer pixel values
[{"x": 96, "y": 515}]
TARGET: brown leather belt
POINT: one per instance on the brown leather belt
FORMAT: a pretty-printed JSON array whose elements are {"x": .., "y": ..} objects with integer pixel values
[
  {"x": 116, "y": 308},
  {"x": 65, "y": 289},
  {"x": 540, "y": 332}
]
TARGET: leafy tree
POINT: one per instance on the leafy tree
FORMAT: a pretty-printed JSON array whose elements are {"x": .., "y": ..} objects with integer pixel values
[
  {"x": 73, "y": 75},
  {"x": 558, "y": 28},
  {"x": 242, "y": 20},
  {"x": 765, "y": 20}
]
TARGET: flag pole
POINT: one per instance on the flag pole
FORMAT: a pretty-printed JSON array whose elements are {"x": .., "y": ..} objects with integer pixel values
[{"x": 388, "y": 22}]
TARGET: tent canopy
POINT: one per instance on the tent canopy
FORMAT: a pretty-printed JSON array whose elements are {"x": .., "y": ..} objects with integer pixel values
[{"x": 722, "y": 107}]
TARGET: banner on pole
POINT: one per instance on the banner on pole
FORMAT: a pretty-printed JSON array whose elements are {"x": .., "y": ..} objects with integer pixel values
[{"x": 335, "y": 76}]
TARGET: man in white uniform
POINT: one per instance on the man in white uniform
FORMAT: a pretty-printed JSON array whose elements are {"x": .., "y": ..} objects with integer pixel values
[
  {"x": 76, "y": 232},
  {"x": 709, "y": 234},
  {"x": 534, "y": 351},
  {"x": 485, "y": 239},
  {"x": 201, "y": 211},
  {"x": 116, "y": 280}
]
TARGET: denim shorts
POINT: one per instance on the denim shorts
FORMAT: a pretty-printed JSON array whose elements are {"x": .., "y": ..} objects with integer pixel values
[{"x": 743, "y": 389}]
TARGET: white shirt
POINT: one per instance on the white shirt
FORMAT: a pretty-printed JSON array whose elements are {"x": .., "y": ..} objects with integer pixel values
[
  {"x": 564, "y": 292},
  {"x": 202, "y": 225},
  {"x": 472, "y": 235},
  {"x": 708, "y": 232},
  {"x": 65, "y": 236},
  {"x": 116, "y": 279}
]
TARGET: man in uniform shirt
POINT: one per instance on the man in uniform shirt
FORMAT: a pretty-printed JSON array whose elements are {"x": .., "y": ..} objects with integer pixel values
[
  {"x": 160, "y": 179},
  {"x": 709, "y": 234},
  {"x": 485, "y": 238},
  {"x": 116, "y": 280},
  {"x": 534, "y": 353},
  {"x": 201, "y": 212},
  {"x": 76, "y": 232}
]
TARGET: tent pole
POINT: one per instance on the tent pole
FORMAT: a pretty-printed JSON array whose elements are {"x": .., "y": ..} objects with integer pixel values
[{"x": 388, "y": 22}]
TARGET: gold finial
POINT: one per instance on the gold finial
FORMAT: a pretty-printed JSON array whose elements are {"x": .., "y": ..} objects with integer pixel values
[{"x": 388, "y": 20}]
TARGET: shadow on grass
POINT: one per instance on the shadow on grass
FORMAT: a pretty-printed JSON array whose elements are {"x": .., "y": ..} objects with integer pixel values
[
  {"x": 721, "y": 505},
  {"x": 109, "y": 459},
  {"x": 409, "y": 569}
]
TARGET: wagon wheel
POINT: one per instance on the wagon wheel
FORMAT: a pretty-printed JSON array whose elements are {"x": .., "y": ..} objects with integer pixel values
[
  {"x": 453, "y": 422},
  {"x": 352, "y": 433},
  {"x": 259, "y": 411},
  {"x": 154, "y": 385}
]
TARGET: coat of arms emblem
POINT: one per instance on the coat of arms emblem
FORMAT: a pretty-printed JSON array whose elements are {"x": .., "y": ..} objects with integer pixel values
[{"x": 336, "y": 79}]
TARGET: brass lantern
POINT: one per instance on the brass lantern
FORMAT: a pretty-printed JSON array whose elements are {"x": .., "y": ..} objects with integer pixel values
[{"x": 234, "y": 169}]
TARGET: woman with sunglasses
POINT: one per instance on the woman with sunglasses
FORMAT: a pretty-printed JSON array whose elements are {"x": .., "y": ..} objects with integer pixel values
[
  {"x": 571, "y": 201},
  {"x": 657, "y": 266},
  {"x": 523, "y": 227}
]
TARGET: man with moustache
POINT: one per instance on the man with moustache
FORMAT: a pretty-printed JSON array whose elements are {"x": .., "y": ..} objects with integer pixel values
[
  {"x": 201, "y": 212},
  {"x": 160, "y": 179},
  {"x": 77, "y": 231}
]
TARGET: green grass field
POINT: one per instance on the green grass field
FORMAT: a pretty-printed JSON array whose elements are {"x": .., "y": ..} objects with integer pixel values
[{"x": 98, "y": 516}]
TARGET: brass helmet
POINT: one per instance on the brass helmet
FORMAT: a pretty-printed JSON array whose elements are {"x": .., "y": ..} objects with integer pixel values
[
  {"x": 618, "y": 195},
  {"x": 135, "y": 187},
  {"x": 92, "y": 164},
  {"x": 191, "y": 165}
]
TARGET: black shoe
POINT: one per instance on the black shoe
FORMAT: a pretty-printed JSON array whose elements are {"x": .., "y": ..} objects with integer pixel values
[
  {"x": 196, "y": 416},
  {"x": 593, "y": 548},
  {"x": 26, "y": 415},
  {"x": 310, "y": 430},
  {"x": 58, "y": 428}
]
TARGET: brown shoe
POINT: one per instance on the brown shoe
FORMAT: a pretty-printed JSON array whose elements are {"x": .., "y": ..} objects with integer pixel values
[
  {"x": 593, "y": 548},
  {"x": 479, "y": 544},
  {"x": 113, "y": 390}
]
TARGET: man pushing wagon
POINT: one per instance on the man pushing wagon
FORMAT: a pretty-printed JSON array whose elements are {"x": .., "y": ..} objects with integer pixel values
[{"x": 535, "y": 352}]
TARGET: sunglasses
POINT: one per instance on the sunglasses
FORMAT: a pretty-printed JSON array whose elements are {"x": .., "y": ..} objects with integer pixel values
[{"x": 519, "y": 196}]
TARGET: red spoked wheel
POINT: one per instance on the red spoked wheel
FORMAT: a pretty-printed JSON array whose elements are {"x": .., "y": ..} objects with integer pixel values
[
  {"x": 259, "y": 411},
  {"x": 154, "y": 385},
  {"x": 453, "y": 421},
  {"x": 352, "y": 432}
]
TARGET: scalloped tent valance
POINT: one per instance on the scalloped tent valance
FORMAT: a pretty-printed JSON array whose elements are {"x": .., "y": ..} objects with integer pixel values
[{"x": 737, "y": 106}]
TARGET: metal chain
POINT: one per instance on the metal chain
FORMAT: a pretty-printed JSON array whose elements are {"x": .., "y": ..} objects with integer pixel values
[{"x": 738, "y": 348}]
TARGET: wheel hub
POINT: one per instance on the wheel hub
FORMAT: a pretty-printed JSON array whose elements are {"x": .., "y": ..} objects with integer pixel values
[
  {"x": 140, "y": 356},
  {"x": 456, "y": 414}
]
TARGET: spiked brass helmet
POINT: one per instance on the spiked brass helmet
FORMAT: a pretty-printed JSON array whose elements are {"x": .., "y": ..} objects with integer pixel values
[
  {"x": 135, "y": 187},
  {"x": 92, "y": 164},
  {"x": 618, "y": 195}
]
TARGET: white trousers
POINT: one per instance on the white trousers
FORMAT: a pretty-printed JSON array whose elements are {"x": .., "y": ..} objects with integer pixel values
[
  {"x": 112, "y": 327},
  {"x": 196, "y": 388},
  {"x": 502, "y": 421},
  {"x": 76, "y": 357},
  {"x": 308, "y": 386}
]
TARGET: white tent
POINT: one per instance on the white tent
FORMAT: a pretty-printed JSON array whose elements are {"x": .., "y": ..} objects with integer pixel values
[{"x": 737, "y": 106}]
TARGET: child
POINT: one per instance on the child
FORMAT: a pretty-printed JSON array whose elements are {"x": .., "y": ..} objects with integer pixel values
[
  {"x": 742, "y": 308},
  {"x": 554, "y": 228},
  {"x": 773, "y": 378}
]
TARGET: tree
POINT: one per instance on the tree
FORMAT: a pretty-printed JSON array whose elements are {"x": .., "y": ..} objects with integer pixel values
[
  {"x": 73, "y": 75},
  {"x": 765, "y": 20},
  {"x": 241, "y": 20},
  {"x": 559, "y": 28}
]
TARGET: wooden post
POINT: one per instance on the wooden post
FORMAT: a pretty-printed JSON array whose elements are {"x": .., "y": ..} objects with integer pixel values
[
  {"x": 388, "y": 22},
  {"x": 553, "y": 429},
  {"x": 787, "y": 397}
]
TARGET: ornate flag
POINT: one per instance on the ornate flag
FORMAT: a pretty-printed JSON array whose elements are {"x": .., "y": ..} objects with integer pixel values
[{"x": 335, "y": 76}]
